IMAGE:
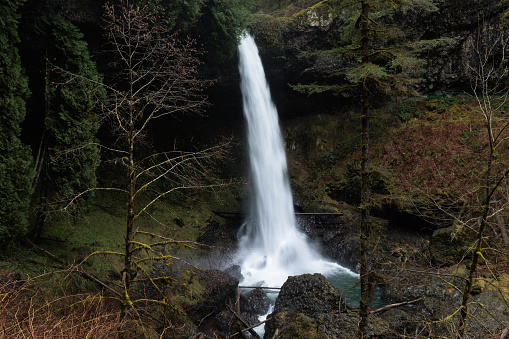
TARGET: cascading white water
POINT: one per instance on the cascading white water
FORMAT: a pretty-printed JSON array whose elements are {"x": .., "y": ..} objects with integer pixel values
[{"x": 272, "y": 247}]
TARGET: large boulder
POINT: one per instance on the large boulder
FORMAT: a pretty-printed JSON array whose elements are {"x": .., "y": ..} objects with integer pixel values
[
  {"x": 309, "y": 306},
  {"x": 309, "y": 294}
]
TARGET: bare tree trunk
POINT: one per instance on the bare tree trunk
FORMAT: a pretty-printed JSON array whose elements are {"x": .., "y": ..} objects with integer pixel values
[
  {"x": 365, "y": 196},
  {"x": 501, "y": 225},
  {"x": 131, "y": 190},
  {"x": 476, "y": 255},
  {"x": 40, "y": 167}
]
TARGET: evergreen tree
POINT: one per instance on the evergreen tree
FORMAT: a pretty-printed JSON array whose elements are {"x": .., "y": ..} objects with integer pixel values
[
  {"x": 218, "y": 23},
  {"x": 15, "y": 158},
  {"x": 182, "y": 13},
  {"x": 68, "y": 156},
  {"x": 221, "y": 26}
]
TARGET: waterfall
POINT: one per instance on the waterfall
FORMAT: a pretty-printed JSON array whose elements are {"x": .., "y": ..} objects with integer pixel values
[{"x": 271, "y": 246}]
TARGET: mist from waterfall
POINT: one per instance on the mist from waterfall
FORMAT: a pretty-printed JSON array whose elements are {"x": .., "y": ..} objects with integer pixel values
[{"x": 271, "y": 246}]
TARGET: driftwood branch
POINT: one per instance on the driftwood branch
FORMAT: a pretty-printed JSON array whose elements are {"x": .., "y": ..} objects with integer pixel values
[
  {"x": 247, "y": 329},
  {"x": 504, "y": 334},
  {"x": 387, "y": 307},
  {"x": 262, "y": 287},
  {"x": 265, "y": 289},
  {"x": 381, "y": 309}
]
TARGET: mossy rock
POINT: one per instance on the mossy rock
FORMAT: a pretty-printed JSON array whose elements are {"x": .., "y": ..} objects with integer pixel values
[
  {"x": 309, "y": 294},
  {"x": 325, "y": 325},
  {"x": 446, "y": 247},
  {"x": 309, "y": 306},
  {"x": 298, "y": 326}
]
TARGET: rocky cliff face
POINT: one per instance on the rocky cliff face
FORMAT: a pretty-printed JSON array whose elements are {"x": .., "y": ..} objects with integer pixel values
[{"x": 284, "y": 41}]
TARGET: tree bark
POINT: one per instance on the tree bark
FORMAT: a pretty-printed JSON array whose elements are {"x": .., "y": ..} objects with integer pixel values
[{"x": 365, "y": 194}]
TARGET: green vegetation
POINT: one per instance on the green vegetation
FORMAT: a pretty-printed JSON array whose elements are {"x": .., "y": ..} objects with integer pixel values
[
  {"x": 15, "y": 159},
  {"x": 221, "y": 26},
  {"x": 67, "y": 153},
  {"x": 217, "y": 23}
]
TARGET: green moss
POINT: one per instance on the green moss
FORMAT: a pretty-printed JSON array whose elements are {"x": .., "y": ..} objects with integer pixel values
[{"x": 302, "y": 326}]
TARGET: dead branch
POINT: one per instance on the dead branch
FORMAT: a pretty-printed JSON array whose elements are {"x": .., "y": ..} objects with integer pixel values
[
  {"x": 388, "y": 307},
  {"x": 248, "y": 328},
  {"x": 49, "y": 254}
]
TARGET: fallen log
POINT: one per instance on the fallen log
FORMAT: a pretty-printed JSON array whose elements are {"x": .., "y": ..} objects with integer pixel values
[
  {"x": 263, "y": 288},
  {"x": 49, "y": 254},
  {"x": 253, "y": 332}
]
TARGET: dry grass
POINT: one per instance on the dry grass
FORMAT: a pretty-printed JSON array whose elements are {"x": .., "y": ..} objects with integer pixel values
[{"x": 24, "y": 313}]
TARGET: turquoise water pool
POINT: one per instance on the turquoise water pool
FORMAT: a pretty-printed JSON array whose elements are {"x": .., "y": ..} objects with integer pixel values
[{"x": 349, "y": 287}]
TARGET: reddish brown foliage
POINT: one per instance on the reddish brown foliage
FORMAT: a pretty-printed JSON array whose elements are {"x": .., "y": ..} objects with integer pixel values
[{"x": 440, "y": 154}]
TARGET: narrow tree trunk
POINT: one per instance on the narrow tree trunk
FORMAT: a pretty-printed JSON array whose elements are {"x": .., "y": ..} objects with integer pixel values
[
  {"x": 40, "y": 167},
  {"x": 126, "y": 274},
  {"x": 40, "y": 217},
  {"x": 476, "y": 255},
  {"x": 501, "y": 225},
  {"x": 477, "y": 250},
  {"x": 365, "y": 196},
  {"x": 131, "y": 179}
]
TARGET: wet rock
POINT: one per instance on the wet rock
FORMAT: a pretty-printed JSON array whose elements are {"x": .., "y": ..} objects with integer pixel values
[
  {"x": 344, "y": 325},
  {"x": 487, "y": 309},
  {"x": 255, "y": 302},
  {"x": 235, "y": 272},
  {"x": 309, "y": 294},
  {"x": 438, "y": 296}
]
